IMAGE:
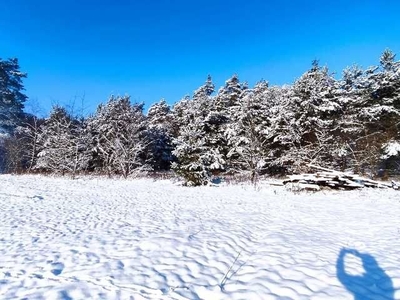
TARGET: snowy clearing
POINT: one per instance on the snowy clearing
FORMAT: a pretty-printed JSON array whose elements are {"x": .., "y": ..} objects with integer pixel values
[{"x": 140, "y": 239}]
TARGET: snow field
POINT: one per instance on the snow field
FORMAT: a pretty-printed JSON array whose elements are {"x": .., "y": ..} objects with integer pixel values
[{"x": 140, "y": 239}]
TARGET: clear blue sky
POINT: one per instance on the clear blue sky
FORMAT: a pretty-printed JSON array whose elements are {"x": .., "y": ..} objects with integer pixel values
[{"x": 165, "y": 48}]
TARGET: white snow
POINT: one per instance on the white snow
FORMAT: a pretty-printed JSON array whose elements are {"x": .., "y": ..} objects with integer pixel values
[
  {"x": 391, "y": 149},
  {"x": 140, "y": 239}
]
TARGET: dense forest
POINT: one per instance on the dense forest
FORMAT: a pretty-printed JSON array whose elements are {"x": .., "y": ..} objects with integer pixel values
[{"x": 348, "y": 124}]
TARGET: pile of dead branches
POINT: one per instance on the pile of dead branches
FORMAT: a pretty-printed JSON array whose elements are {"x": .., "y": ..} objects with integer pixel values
[{"x": 335, "y": 180}]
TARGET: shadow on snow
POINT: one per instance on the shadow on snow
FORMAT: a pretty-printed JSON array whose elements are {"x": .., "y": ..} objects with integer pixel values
[{"x": 372, "y": 283}]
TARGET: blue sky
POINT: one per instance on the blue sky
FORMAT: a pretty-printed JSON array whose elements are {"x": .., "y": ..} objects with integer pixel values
[{"x": 165, "y": 49}]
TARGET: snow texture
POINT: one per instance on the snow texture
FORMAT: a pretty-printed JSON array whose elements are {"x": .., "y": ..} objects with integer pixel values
[
  {"x": 391, "y": 149},
  {"x": 140, "y": 239}
]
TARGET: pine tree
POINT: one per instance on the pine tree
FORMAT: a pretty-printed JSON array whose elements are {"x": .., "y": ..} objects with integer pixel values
[
  {"x": 190, "y": 152},
  {"x": 230, "y": 95},
  {"x": 223, "y": 113},
  {"x": 387, "y": 60},
  {"x": 196, "y": 161},
  {"x": 369, "y": 100},
  {"x": 205, "y": 90},
  {"x": 12, "y": 98},
  {"x": 247, "y": 133},
  {"x": 315, "y": 108},
  {"x": 118, "y": 139},
  {"x": 159, "y": 133},
  {"x": 180, "y": 115},
  {"x": 196, "y": 146},
  {"x": 280, "y": 132}
]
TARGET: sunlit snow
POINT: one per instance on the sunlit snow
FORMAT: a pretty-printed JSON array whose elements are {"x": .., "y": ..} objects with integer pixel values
[{"x": 143, "y": 239}]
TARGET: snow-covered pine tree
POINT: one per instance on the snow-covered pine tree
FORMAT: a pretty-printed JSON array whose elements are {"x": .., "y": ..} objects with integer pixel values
[
  {"x": 314, "y": 110},
  {"x": 180, "y": 117},
  {"x": 197, "y": 155},
  {"x": 247, "y": 133},
  {"x": 371, "y": 113},
  {"x": 12, "y": 98},
  {"x": 118, "y": 138},
  {"x": 213, "y": 122},
  {"x": 384, "y": 116},
  {"x": 185, "y": 111},
  {"x": 230, "y": 94},
  {"x": 159, "y": 133},
  {"x": 351, "y": 93},
  {"x": 391, "y": 89},
  {"x": 388, "y": 61},
  {"x": 223, "y": 112},
  {"x": 278, "y": 129},
  {"x": 191, "y": 153},
  {"x": 12, "y": 102}
]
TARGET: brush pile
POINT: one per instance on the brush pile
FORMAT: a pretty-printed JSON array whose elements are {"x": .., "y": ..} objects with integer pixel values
[{"x": 335, "y": 180}]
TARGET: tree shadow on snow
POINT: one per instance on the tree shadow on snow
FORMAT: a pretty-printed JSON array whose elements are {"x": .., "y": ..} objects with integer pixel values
[{"x": 372, "y": 283}]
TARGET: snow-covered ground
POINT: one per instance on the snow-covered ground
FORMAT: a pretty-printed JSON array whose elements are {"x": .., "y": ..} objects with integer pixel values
[{"x": 140, "y": 239}]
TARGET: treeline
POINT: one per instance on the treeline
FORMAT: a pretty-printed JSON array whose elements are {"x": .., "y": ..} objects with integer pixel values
[{"x": 347, "y": 124}]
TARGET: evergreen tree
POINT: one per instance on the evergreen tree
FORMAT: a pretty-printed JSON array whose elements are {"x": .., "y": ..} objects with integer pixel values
[
  {"x": 118, "y": 139},
  {"x": 387, "y": 60},
  {"x": 315, "y": 109},
  {"x": 196, "y": 146},
  {"x": 180, "y": 115},
  {"x": 247, "y": 133},
  {"x": 205, "y": 90},
  {"x": 371, "y": 113},
  {"x": 159, "y": 133},
  {"x": 195, "y": 160},
  {"x": 230, "y": 95},
  {"x": 282, "y": 135},
  {"x": 224, "y": 111},
  {"x": 12, "y": 98}
]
